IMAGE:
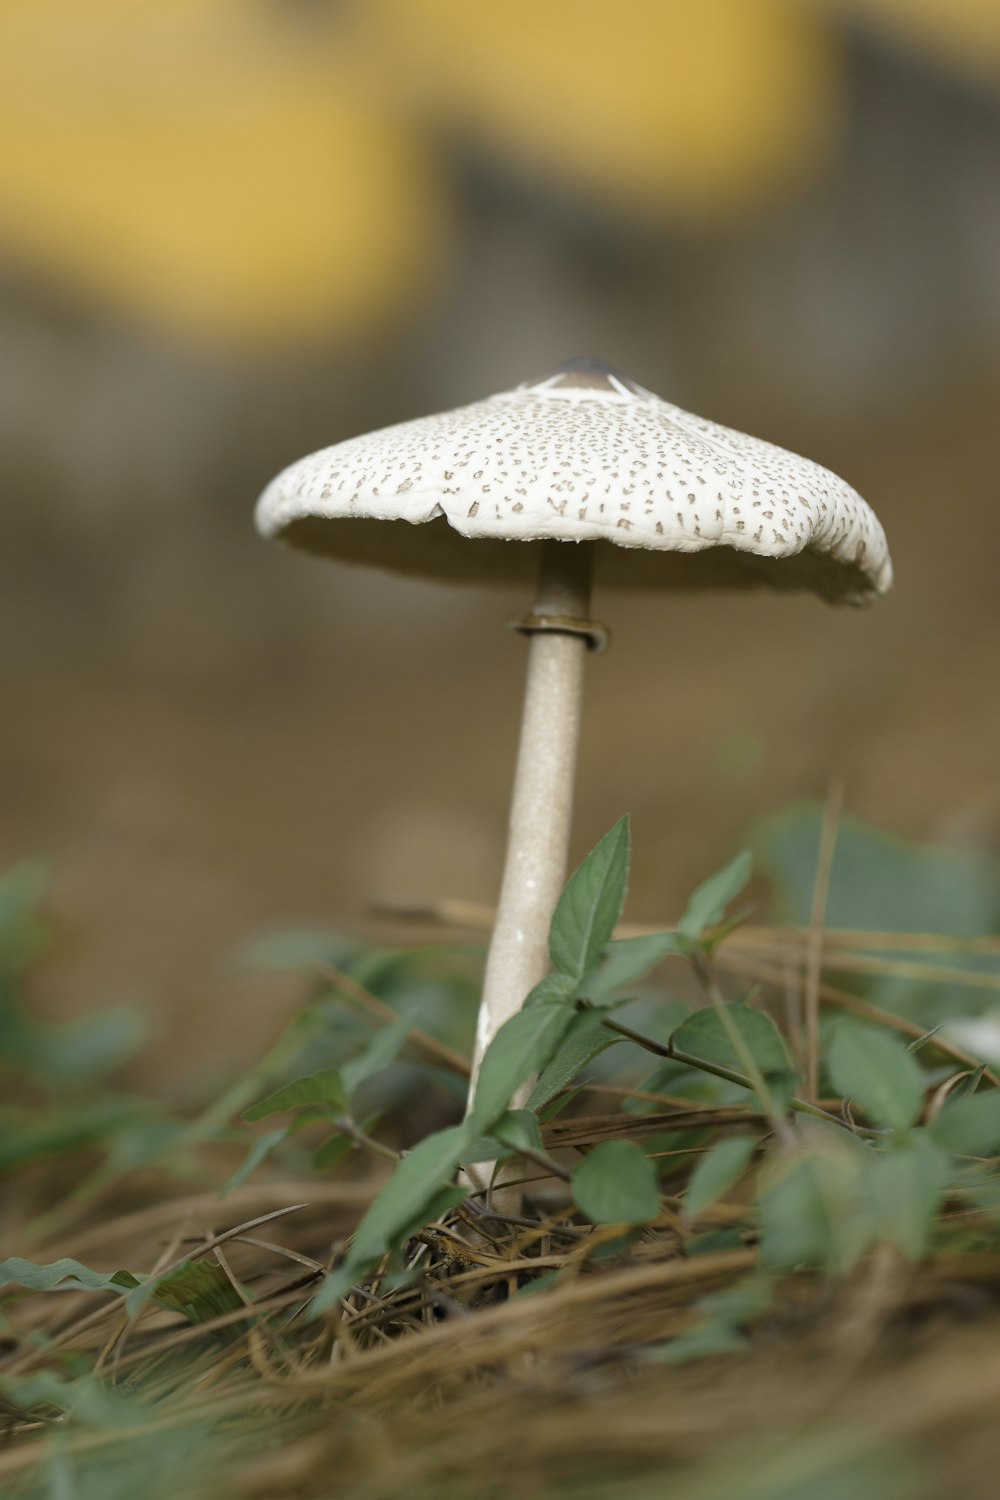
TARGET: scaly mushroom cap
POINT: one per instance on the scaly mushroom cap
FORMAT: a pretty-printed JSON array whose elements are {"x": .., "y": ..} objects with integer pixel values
[{"x": 582, "y": 455}]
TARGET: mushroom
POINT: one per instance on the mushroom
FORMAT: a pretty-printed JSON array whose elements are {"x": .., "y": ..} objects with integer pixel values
[{"x": 578, "y": 469}]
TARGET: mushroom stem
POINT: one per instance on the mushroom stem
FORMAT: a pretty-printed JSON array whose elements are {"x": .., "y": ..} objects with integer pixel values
[{"x": 542, "y": 804}]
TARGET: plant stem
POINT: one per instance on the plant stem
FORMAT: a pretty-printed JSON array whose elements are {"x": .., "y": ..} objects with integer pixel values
[
  {"x": 703, "y": 971},
  {"x": 675, "y": 1054},
  {"x": 348, "y": 1127}
]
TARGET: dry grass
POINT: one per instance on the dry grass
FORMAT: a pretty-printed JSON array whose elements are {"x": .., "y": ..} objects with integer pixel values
[
  {"x": 461, "y": 1385},
  {"x": 464, "y": 1382}
]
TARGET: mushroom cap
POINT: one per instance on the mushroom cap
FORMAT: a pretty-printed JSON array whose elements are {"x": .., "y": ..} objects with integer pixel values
[{"x": 582, "y": 454}]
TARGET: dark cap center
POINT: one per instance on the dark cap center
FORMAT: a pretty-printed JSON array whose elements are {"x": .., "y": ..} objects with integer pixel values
[{"x": 586, "y": 373}]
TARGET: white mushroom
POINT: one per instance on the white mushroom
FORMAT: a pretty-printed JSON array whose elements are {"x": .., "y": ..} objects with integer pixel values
[{"x": 587, "y": 457}]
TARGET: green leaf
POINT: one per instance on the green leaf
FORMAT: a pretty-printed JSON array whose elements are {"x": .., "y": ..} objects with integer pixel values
[
  {"x": 664, "y": 1016},
  {"x": 714, "y": 1240},
  {"x": 982, "y": 1187},
  {"x": 519, "y": 1130},
  {"x": 554, "y": 989},
  {"x": 813, "y": 1206},
  {"x": 259, "y": 1152},
  {"x": 199, "y": 1289},
  {"x": 331, "y": 1152},
  {"x": 617, "y": 1184},
  {"x": 72, "y": 1051},
  {"x": 782, "y": 1088},
  {"x": 413, "y": 1190},
  {"x": 543, "y": 1283},
  {"x": 715, "y": 1174},
  {"x": 906, "y": 1185},
  {"x": 326, "y": 1087},
  {"x": 706, "y": 1340},
  {"x": 724, "y": 1316},
  {"x": 707, "y": 906},
  {"x": 487, "y": 1148},
  {"x": 313, "y": 1114},
  {"x": 875, "y": 1070},
  {"x": 878, "y": 883},
  {"x": 30, "y": 1136},
  {"x": 703, "y": 1035},
  {"x": 969, "y": 1126},
  {"x": 523, "y": 1046},
  {"x": 304, "y": 950},
  {"x": 383, "y": 1049},
  {"x": 969, "y": 1084},
  {"x": 628, "y": 960},
  {"x": 585, "y": 1038},
  {"x": 591, "y": 905},
  {"x": 442, "y": 1203},
  {"x": 58, "y": 1273},
  {"x": 89, "y": 1399}
]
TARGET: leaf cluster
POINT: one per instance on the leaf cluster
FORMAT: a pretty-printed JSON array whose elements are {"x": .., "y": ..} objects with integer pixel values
[
  {"x": 714, "y": 1149},
  {"x": 563, "y": 1026}
]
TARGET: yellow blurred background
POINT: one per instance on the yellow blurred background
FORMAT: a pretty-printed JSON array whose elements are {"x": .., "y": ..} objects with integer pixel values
[{"x": 232, "y": 231}]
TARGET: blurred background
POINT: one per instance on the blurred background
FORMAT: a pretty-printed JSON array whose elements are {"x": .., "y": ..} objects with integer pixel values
[{"x": 233, "y": 231}]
